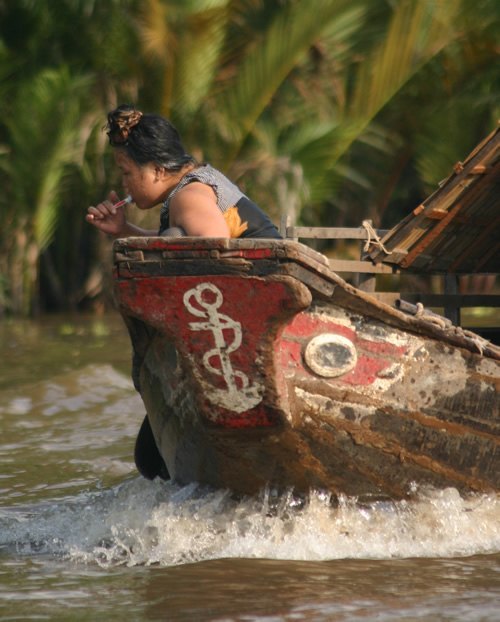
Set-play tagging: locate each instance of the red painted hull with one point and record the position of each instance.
(258, 365)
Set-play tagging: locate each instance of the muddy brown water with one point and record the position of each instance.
(83, 537)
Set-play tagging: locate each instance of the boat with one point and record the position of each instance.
(259, 366)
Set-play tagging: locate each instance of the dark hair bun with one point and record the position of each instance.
(120, 122)
(146, 138)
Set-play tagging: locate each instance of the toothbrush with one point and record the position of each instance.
(123, 202)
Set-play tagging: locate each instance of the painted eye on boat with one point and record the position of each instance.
(330, 355)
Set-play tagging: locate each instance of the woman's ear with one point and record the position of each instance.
(159, 172)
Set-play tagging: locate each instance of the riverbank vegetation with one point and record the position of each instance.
(331, 110)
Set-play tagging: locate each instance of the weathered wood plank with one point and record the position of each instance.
(454, 300)
(352, 265)
(440, 300)
(331, 233)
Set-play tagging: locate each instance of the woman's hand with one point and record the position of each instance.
(106, 217)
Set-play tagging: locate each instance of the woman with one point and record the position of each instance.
(198, 200)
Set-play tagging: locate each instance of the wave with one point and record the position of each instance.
(145, 523)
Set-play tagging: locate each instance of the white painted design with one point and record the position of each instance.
(330, 355)
(204, 301)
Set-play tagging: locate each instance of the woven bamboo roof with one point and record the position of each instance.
(456, 229)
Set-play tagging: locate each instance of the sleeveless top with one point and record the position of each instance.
(243, 217)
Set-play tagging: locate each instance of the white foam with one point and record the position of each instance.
(143, 523)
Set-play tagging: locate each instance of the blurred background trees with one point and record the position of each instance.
(331, 110)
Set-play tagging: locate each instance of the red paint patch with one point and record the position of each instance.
(373, 356)
(224, 328)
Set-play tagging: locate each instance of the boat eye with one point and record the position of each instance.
(330, 355)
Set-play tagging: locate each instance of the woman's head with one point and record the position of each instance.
(146, 138)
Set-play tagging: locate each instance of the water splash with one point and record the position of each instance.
(54, 447)
(145, 523)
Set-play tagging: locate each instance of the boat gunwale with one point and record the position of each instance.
(143, 253)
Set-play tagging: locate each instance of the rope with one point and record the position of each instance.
(443, 323)
(433, 318)
(480, 342)
(372, 238)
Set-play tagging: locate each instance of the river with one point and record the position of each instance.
(84, 537)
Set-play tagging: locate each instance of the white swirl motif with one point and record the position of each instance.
(204, 301)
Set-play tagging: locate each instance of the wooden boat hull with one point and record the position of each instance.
(259, 366)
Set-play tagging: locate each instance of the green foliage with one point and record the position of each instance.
(45, 136)
(265, 67)
(335, 110)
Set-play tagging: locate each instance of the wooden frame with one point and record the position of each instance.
(365, 271)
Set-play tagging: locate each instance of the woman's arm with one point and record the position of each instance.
(194, 209)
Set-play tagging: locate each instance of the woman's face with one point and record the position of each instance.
(143, 183)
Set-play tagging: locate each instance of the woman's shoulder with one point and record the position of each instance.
(205, 173)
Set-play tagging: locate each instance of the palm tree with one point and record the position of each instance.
(414, 36)
(51, 79)
(252, 99)
(329, 104)
(45, 136)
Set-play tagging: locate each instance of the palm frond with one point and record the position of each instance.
(156, 35)
(435, 157)
(46, 136)
(418, 31)
(198, 57)
(185, 39)
(267, 65)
